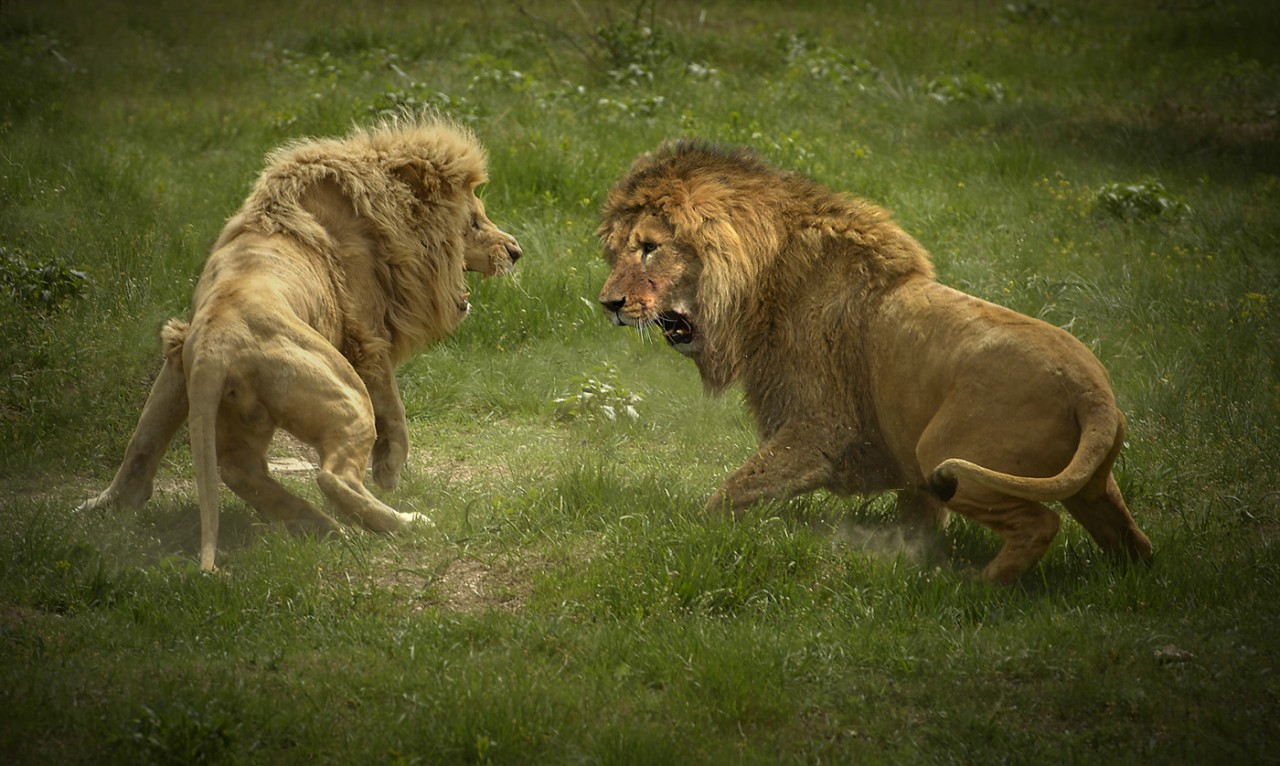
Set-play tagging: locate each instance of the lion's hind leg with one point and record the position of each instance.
(1108, 521)
(162, 416)
(1026, 527)
(242, 461)
(344, 452)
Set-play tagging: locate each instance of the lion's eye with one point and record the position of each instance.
(646, 248)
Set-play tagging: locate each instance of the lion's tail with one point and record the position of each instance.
(206, 381)
(1101, 433)
(172, 337)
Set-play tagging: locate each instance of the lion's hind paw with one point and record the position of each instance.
(415, 519)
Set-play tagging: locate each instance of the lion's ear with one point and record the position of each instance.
(422, 178)
(433, 182)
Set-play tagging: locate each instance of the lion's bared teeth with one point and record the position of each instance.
(676, 328)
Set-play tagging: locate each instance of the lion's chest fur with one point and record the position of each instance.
(807, 380)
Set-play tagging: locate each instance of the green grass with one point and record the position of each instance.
(1110, 168)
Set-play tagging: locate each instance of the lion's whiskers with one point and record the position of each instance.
(513, 278)
(646, 332)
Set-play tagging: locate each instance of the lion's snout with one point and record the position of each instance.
(613, 307)
(513, 249)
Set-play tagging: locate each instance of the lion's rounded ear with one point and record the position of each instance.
(431, 181)
(421, 177)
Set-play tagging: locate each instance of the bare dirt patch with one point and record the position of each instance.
(470, 585)
(463, 584)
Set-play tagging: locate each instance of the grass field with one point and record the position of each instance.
(1113, 168)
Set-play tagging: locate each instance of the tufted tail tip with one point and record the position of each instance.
(943, 485)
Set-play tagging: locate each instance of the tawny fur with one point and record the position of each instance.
(863, 374)
(347, 256)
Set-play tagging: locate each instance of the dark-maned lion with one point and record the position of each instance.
(862, 373)
(347, 256)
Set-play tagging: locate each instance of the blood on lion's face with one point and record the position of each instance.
(653, 281)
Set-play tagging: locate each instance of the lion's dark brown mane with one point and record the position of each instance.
(762, 234)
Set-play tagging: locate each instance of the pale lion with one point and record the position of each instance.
(863, 374)
(348, 255)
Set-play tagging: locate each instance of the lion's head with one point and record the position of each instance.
(401, 197)
(654, 281)
(486, 248)
(709, 243)
(687, 233)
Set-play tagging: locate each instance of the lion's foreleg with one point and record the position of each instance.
(162, 416)
(777, 471)
(391, 447)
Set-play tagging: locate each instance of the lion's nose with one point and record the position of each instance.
(613, 304)
(513, 251)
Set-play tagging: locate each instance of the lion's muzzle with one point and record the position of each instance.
(677, 329)
(613, 308)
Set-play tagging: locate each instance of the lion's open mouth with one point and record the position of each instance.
(676, 328)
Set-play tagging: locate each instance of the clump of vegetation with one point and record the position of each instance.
(164, 734)
(634, 46)
(418, 97)
(46, 287)
(1145, 199)
(808, 59)
(599, 395)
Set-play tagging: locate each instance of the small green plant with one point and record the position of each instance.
(970, 86)
(417, 97)
(1033, 11)
(630, 52)
(634, 45)
(48, 286)
(599, 395)
(637, 106)
(1145, 199)
(810, 60)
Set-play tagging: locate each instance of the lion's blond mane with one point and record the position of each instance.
(409, 178)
